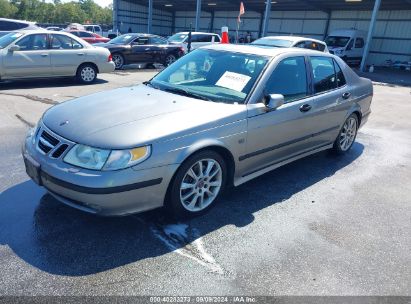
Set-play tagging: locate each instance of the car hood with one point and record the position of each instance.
(137, 115)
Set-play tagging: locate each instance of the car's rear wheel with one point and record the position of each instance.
(118, 60)
(86, 73)
(170, 59)
(347, 135)
(197, 184)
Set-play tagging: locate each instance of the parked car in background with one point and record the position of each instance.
(292, 41)
(8, 25)
(54, 28)
(198, 39)
(220, 116)
(43, 53)
(348, 44)
(142, 48)
(89, 37)
(94, 28)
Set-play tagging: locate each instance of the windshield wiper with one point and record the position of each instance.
(186, 93)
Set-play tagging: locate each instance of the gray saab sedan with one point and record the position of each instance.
(219, 116)
(43, 53)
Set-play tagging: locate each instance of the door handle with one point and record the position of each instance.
(80, 54)
(147, 49)
(305, 108)
(346, 95)
(44, 55)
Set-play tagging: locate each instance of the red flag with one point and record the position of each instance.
(242, 11)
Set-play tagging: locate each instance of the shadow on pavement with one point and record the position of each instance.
(61, 240)
(43, 83)
(389, 77)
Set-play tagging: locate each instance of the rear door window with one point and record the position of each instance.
(289, 79)
(141, 41)
(340, 75)
(324, 74)
(157, 40)
(195, 38)
(62, 42)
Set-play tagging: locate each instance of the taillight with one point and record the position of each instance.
(110, 58)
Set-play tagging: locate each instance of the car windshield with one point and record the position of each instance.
(177, 38)
(273, 42)
(218, 76)
(336, 41)
(9, 38)
(123, 39)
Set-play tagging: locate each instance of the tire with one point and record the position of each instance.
(192, 193)
(347, 135)
(86, 73)
(170, 59)
(118, 60)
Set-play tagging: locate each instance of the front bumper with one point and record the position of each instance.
(109, 193)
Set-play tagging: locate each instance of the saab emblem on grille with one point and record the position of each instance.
(64, 123)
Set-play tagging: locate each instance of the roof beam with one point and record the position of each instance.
(309, 4)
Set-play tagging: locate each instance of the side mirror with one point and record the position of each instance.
(14, 48)
(274, 101)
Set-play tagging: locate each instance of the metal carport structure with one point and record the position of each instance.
(196, 11)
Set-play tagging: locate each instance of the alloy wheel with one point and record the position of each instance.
(118, 61)
(201, 185)
(348, 134)
(170, 59)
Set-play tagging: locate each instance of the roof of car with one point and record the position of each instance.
(195, 33)
(42, 31)
(140, 35)
(15, 20)
(258, 50)
(293, 38)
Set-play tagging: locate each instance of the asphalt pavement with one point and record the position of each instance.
(324, 225)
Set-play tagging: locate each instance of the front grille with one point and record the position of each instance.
(49, 138)
(47, 142)
(46, 149)
(51, 144)
(59, 151)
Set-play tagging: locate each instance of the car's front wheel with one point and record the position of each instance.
(86, 73)
(197, 184)
(347, 135)
(118, 60)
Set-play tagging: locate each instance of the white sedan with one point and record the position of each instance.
(292, 41)
(43, 53)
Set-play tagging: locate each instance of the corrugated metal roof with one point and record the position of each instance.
(282, 5)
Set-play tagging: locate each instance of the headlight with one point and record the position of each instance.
(87, 157)
(120, 159)
(100, 159)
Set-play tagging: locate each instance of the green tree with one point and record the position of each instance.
(56, 12)
(7, 9)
